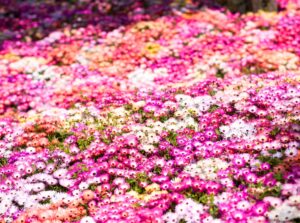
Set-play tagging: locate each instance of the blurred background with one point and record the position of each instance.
(34, 19)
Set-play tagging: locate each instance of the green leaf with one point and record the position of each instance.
(274, 192)
(84, 143)
(275, 131)
(47, 201)
(213, 108)
(172, 138)
(3, 161)
(57, 188)
(220, 73)
(278, 177)
(157, 170)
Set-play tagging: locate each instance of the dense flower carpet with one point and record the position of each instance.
(185, 118)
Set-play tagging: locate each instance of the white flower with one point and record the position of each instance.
(66, 183)
(83, 186)
(294, 200)
(239, 129)
(291, 152)
(87, 219)
(206, 168)
(284, 213)
(38, 187)
(243, 205)
(60, 173)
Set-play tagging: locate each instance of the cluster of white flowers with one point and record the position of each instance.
(196, 105)
(187, 210)
(149, 133)
(206, 168)
(238, 129)
(141, 77)
(232, 96)
(31, 192)
(286, 211)
(292, 149)
(87, 219)
(46, 73)
(29, 64)
(14, 200)
(145, 77)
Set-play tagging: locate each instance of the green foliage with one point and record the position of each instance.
(128, 107)
(278, 177)
(59, 135)
(75, 176)
(204, 198)
(275, 132)
(220, 73)
(273, 161)
(84, 143)
(106, 141)
(57, 188)
(214, 210)
(93, 187)
(273, 192)
(134, 185)
(163, 118)
(213, 108)
(172, 206)
(218, 132)
(47, 201)
(165, 154)
(272, 151)
(172, 138)
(212, 92)
(142, 177)
(199, 197)
(157, 170)
(3, 161)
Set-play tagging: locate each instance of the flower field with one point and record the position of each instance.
(185, 117)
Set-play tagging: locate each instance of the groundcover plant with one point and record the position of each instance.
(185, 117)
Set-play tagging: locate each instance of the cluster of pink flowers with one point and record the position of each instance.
(183, 118)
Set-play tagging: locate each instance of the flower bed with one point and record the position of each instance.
(177, 118)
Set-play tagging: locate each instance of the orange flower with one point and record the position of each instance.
(88, 195)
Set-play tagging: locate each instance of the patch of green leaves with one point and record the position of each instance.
(165, 154)
(273, 161)
(214, 210)
(142, 177)
(172, 138)
(128, 107)
(134, 185)
(84, 143)
(3, 161)
(212, 92)
(163, 118)
(213, 108)
(220, 73)
(57, 188)
(275, 132)
(278, 177)
(157, 170)
(93, 187)
(273, 192)
(59, 135)
(46, 201)
(204, 198)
